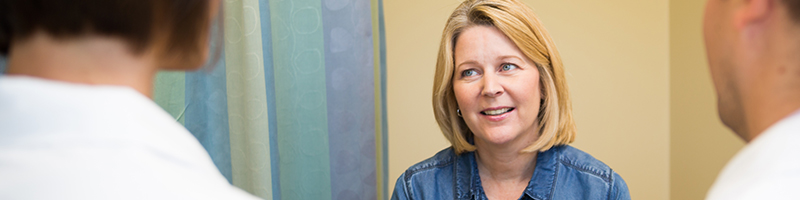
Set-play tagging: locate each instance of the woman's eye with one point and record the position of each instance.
(468, 72)
(507, 67)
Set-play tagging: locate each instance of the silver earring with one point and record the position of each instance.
(459, 112)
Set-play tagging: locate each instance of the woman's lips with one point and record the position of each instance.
(497, 110)
(497, 114)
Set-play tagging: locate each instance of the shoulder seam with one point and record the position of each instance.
(411, 172)
(600, 175)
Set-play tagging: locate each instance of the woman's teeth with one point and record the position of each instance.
(497, 112)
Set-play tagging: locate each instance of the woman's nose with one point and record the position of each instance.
(491, 86)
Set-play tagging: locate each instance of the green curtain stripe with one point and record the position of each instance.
(247, 98)
(170, 93)
(379, 145)
(384, 118)
(300, 90)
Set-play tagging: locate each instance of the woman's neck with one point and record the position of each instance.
(505, 170)
(505, 164)
(95, 60)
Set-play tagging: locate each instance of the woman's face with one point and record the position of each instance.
(496, 87)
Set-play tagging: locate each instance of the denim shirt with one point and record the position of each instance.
(562, 172)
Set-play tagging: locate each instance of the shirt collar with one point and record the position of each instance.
(544, 176)
(465, 168)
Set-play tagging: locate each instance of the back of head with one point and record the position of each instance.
(176, 25)
(518, 22)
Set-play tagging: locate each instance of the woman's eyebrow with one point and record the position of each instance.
(471, 62)
(506, 57)
(503, 57)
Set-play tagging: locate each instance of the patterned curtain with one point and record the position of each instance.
(296, 108)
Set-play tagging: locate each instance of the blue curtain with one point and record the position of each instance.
(296, 109)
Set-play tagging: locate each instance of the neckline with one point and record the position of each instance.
(538, 186)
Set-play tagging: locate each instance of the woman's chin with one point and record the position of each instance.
(506, 136)
(497, 138)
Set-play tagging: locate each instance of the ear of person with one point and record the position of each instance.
(753, 11)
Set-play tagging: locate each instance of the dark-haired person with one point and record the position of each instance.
(76, 120)
(753, 49)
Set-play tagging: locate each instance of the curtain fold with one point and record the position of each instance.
(296, 109)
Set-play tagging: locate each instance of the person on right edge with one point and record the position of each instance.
(753, 49)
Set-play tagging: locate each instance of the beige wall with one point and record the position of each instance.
(700, 145)
(412, 38)
(616, 54)
(618, 62)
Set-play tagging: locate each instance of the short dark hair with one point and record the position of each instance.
(793, 7)
(135, 21)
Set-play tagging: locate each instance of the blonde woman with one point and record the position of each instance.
(501, 99)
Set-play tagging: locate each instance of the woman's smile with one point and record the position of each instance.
(497, 114)
(497, 111)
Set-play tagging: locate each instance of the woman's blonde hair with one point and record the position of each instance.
(518, 22)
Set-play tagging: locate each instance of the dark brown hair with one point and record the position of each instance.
(138, 22)
(793, 6)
